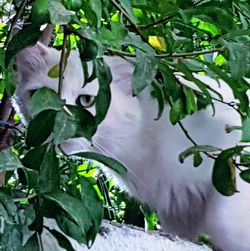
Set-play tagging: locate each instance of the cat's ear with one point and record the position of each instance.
(121, 73)
(31, 59)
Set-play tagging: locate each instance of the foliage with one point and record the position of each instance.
(165, 37)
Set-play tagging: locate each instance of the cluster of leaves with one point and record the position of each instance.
(165, 37)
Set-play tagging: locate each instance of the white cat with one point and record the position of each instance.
(183, 196)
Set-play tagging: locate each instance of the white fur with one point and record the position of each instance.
(183, 196)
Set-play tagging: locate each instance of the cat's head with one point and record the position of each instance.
(33, 65)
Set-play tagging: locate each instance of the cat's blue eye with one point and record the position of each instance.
(85, 100)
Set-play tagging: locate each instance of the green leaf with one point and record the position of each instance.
(107, 161)
(8, 209)
(49, 179)
(40, 127)
(45, 99)
(223, 175)
(245, 137)
(197, 159)
(103, 98)
(128, 8)
(77, 123)
(197, 149)
(9, 161)
(34, 158)
(245, 175)
(239, 59)
(96, 7)
(61, 239)
(40, 12)
(94, 205)
(73, 217)
(58, 13)
(144, 73)
(176, 112)
(157, 93)
(88, 50)
(190, 100)
(169, 79)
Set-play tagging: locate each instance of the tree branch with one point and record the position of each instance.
(171, 55)
(161, 21)
(124, 13)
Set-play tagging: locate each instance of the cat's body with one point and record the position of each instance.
(183, 196)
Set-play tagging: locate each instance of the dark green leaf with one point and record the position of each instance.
(27, 36)
(34, 158)
(45, 99)
(40, 12)
(9, 161)
(49, 179)
(144, 73)
(78, 122)
(223, 176)
(109, 162)
(62, 240)
(94, 205)
(197, 159)
(88, 50)
(103, 98)
(177, 112)
(40, 127)
(245, 175)
(190, 100)
(73, 218)
(157, 93)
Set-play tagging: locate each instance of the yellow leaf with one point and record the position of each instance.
(158, 43)
(54, 71)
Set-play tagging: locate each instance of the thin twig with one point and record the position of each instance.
(171, 55)
(25, 198)
(62, 63)
(161, 21)
(192, 141)
(15, 19)
(124, 13)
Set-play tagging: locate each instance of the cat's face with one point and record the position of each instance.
(33, 65)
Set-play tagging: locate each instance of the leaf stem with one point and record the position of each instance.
(62, 62)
